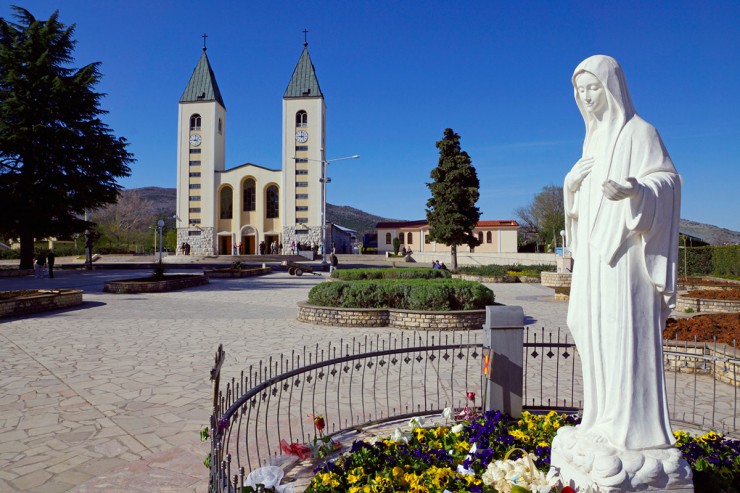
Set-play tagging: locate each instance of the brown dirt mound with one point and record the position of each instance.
(724, 326)
(705, 294)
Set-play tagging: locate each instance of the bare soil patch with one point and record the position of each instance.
(711, 294)
(724, 326)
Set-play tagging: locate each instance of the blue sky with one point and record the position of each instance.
(395, 74)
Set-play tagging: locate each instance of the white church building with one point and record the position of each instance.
(219, 208)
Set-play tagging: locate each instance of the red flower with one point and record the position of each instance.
(567, 489)
(471, 396)
(319, 422)
(298, 449)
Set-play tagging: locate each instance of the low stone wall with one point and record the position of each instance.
(560, 282)
(398, 319)
(129, 286)
(44, 301)
(697, 305)
(722, 357)
(497, 279)
(238, 273)
(16, 272)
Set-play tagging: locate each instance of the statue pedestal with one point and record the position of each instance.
(582, 463)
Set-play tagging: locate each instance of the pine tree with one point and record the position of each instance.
(57, 158)
(451, 212)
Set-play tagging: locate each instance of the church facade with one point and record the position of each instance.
(222, 211)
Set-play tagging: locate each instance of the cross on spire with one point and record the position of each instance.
(204, 41)
(305, 37)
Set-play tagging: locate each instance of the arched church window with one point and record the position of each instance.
(220, 125)
(400, 238)
(489, 239)
(227, 198)
(250, 195)
(273, 202)
(409, 238)
(195, 122)
(480, 236)
(387, 238)
(301, 119)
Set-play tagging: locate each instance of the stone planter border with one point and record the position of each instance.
(238, 273)
(497, 279)
(45, 300)
(390, 317)
(701, 305)
(128, 286)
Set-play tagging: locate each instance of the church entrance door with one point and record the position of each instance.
(224, 245)
(269, 239)
(248, 245)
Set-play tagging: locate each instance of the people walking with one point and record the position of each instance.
(50, 262)
(39, 265)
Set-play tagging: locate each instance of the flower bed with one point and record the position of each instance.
(14, 303)
(411, 294)
(155, 284)
(493, 453)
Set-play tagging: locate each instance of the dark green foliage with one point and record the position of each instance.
(726, 260)
(9, 254)
(396, 245)
(709, 260)
(414, 294)
(503, 270)
(451, 211)
(403, 273)
(53, 144)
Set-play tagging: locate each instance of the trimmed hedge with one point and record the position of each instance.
(495, 270)
(402, 273)
(709, 260)
(411, 294)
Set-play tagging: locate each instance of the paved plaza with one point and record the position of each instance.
(110, 396)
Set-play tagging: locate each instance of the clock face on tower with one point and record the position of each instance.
(301, 136)
(195, 140)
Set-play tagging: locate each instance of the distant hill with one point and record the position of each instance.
(713, 235)
(164, 200)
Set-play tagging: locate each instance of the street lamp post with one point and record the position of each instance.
(160, 224)
(324, 180)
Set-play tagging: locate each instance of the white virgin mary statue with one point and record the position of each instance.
(622, 203)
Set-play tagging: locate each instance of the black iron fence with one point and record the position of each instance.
(362, 382)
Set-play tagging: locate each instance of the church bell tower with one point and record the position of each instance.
(304, 147)
(201, 139)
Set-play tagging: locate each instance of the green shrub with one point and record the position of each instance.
(405, 294)
(396, 245)
(709, 260)
(9, 254)
(726, 260)
(494, 270)
(402, 273)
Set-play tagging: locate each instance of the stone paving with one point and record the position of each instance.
(109, 396)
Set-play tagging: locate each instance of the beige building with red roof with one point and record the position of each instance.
(494, 236)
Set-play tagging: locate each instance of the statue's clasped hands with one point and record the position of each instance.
(579, 173)
(620, 191)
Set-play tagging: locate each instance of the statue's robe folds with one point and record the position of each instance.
(623, 286)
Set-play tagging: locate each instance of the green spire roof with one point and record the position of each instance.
(202, 85)
(304, 83)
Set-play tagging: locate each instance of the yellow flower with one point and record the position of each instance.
(355, 475)
(462, 447)
(543, 444)
(398, 471)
